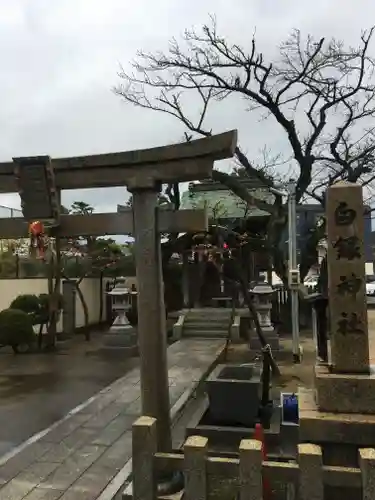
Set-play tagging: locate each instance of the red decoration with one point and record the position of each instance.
(37, 239)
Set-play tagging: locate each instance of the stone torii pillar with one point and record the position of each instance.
(145, 186)
(152, 335)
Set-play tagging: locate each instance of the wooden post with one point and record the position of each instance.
(251, 484)
(311, 472)
(367, 465)
(195, 451)
(144, 447)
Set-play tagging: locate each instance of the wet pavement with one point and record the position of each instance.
(37, 390)
(87, 455)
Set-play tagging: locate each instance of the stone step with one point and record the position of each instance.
(207, 328)
(207, 324)
(211, 312)
(204, 333)
(207, 317)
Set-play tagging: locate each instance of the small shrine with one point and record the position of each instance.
(233, 225)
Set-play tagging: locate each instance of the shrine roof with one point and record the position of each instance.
(222, 203)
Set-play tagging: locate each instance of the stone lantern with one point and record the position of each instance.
(121, 334)
(262, 299)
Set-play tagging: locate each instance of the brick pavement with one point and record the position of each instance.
(78, 457)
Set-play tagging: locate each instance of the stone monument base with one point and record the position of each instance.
(344, 392)
(270, 335)
(121, 338)
(122, 352)
(339, 434)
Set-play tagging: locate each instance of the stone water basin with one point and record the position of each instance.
(234, 394)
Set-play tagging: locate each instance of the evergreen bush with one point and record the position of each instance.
(27, 303)
(16, 328)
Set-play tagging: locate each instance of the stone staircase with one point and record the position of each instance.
(207, 323)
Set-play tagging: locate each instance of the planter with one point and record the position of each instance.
(234, 394)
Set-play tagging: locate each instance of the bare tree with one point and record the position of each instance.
(319, 92)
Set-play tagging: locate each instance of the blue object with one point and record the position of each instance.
(290, 409)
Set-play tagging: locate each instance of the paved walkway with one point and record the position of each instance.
(78, 457)
(37, 390)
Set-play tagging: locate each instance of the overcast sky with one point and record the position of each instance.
(59, 60)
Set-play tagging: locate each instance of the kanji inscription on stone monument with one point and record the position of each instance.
(350, 323)
(344, 216)
(346, 275)
(349, 285)
(347, 248)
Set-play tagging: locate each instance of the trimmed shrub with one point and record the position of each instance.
(16, 328)
(44, 306)
(27, 303)
(44, 301)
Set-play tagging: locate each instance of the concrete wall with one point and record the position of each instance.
(11, 288)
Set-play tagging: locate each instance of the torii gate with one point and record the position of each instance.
(142, 172)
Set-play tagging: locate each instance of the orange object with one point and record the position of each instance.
(259, 436)
(36, 228)
(37, 240)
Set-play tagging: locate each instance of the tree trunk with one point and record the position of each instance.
(40, 336)
(201, 274)
(233, 272)
(51, 325)
(101, 297)
(85, 310)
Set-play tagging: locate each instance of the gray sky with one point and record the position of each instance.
(59, 60)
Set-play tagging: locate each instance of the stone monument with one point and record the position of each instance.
(122, 335)
(350, 372)
(340, 413)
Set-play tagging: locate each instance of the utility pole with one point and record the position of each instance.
(293, 268)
